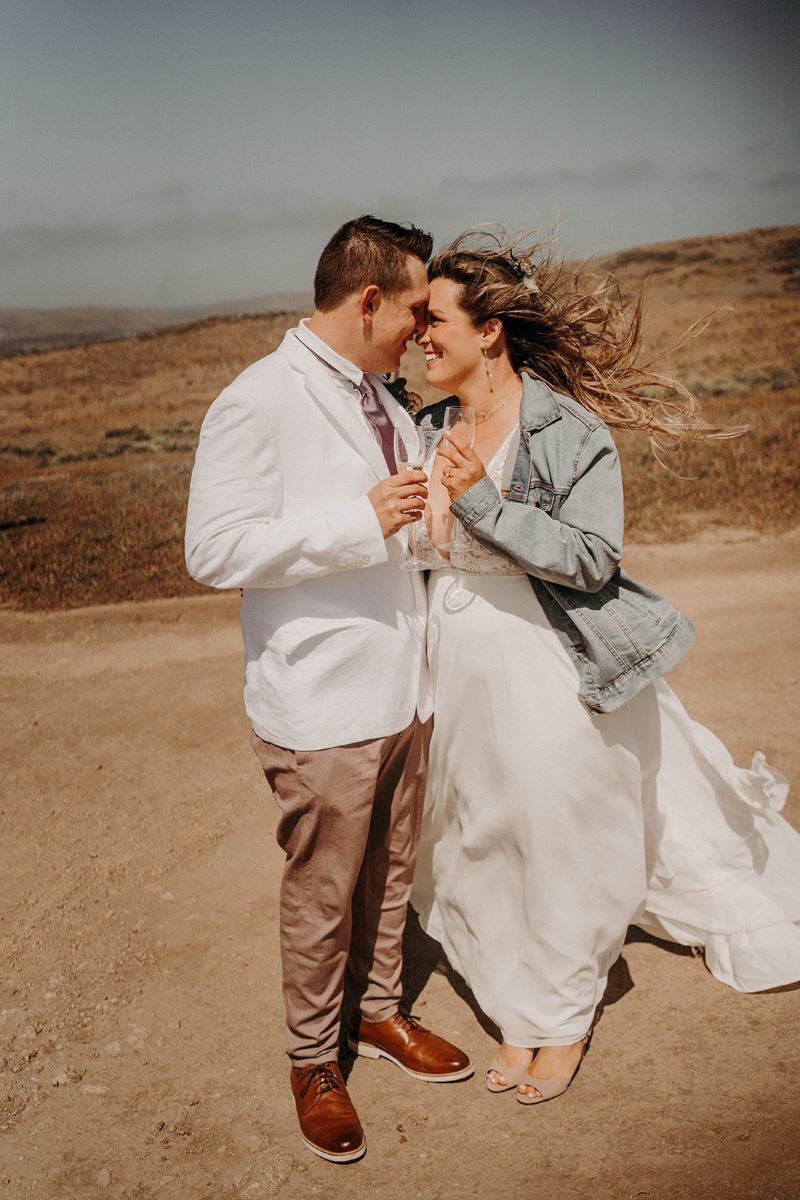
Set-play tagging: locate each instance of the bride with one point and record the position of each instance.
(569, 793)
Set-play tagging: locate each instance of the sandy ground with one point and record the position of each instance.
(141, 1014)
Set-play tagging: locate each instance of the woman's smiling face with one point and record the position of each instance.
(452, 344)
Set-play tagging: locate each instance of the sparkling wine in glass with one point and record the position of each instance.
(458, 429)
(410, 452)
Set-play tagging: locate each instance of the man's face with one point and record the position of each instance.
(398, 317)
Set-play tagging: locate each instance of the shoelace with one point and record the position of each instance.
(323, 1079)
(409, 1022)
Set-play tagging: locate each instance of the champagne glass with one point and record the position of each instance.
(410, 452)
(460, 422)
(458, 430)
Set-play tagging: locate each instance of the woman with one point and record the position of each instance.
(569, 794)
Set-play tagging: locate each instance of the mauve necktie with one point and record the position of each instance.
(378, 419)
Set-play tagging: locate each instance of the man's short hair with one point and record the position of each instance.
(367, 251)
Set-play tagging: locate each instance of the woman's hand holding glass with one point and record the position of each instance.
(461, 466)
(455, 454)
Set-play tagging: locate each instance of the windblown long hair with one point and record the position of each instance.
(584, 342)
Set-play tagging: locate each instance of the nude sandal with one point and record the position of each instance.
(512, 1075)
(548, 1089)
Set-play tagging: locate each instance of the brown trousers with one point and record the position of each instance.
(349, 824)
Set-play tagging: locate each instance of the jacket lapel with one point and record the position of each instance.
(340, 409)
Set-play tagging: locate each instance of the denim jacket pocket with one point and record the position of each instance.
(537, 494)
(542, 496)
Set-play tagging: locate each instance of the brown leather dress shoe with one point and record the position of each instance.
(417, 1051)
(328, 1122)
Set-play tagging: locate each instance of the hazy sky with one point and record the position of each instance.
(172, 151)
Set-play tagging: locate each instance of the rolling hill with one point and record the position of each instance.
(97, 440)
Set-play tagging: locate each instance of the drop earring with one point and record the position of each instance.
(488, 372)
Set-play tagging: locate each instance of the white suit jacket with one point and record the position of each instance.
(334, 630)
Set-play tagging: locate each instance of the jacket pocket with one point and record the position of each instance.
(542, 496)
(297, 639)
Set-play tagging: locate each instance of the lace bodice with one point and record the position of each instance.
(466, 552)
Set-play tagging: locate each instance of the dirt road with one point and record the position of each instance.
(141, 1015)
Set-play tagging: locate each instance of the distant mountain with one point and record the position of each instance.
(28, 329)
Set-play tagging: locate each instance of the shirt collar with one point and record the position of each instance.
(322, 350)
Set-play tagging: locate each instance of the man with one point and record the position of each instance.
(295, 499)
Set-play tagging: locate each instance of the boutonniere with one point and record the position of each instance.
(412, 402)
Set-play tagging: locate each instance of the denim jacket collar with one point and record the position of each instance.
(539, 406)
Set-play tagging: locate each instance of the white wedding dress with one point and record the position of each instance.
(548, 830)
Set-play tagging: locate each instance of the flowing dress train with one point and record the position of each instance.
(547, 830)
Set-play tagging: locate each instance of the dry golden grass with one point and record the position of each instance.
(96, 442)
(96, 448)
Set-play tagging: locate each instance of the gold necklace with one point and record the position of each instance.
(485, 416)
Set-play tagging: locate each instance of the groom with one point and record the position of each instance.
(295, 498)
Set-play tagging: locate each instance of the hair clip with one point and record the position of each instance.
(525, 272)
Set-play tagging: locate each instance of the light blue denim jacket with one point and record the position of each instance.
(562, 521)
